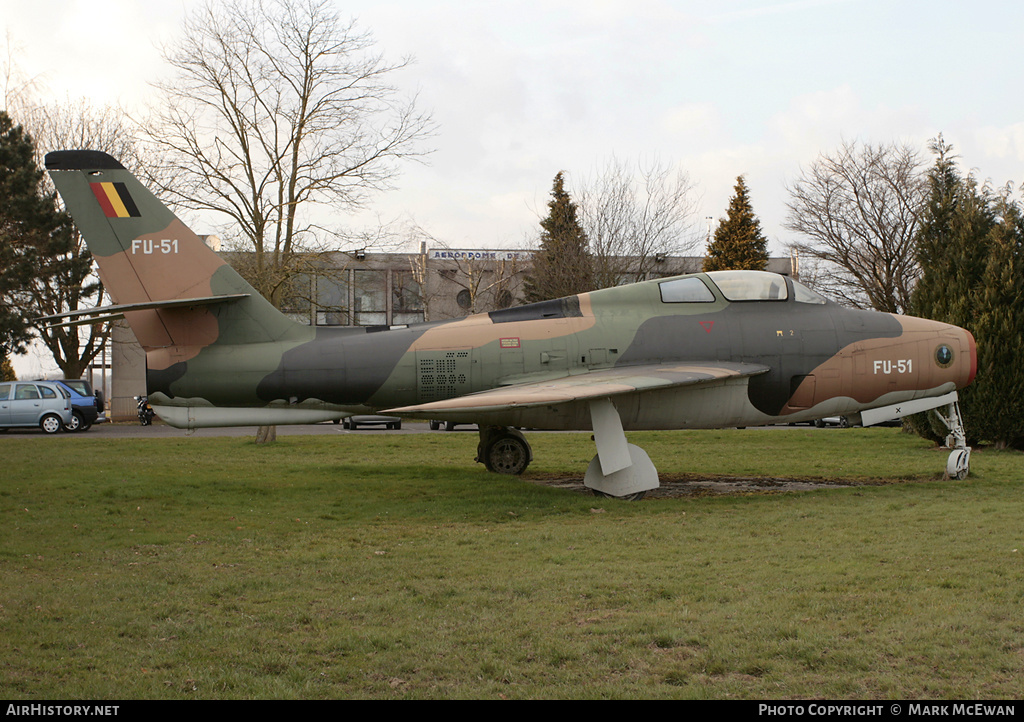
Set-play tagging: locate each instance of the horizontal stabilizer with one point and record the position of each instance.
(108, 313)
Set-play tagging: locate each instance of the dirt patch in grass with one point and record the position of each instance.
(677, 485)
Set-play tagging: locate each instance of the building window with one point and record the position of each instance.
(369, 300)
(332, 299)
(296, 302)
(406, 298)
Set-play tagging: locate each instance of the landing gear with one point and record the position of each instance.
(620, 469)
(631, 482)
(958, 465)
(503, 450)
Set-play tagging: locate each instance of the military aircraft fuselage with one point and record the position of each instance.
(821, 359)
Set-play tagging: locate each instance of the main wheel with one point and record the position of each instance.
(51, 424)
(435, 425)
(507, 455)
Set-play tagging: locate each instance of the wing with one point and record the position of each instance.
(581, 387)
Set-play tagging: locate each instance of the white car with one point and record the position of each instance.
(388, 422)
(34, 403)
(840, 421)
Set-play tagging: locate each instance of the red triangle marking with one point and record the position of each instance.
(706, 325)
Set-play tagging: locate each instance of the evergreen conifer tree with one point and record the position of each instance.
(7, 370)
(738, 242)
(998, 326)
(969, 247)
(33, 234)
(952, 241)
(562, 266)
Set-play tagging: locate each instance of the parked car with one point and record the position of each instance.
(35, 403)
(841, 421)
(845, 422)
(448, 425)
(388, 422)
(85, 388)
(84, 411)
(82, 397)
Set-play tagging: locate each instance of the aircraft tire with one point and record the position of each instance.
(958, 465)
(507, 454)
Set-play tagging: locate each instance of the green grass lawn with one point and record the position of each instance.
(394, 567)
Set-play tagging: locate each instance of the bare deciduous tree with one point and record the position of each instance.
(279, 111)
(72, 283)
(860, 209)
(634, 217)
(17, 90)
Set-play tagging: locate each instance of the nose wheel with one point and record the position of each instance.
(959, 462)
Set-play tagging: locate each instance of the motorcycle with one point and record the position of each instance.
(146, 412)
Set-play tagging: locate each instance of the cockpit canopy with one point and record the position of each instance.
(736, 286)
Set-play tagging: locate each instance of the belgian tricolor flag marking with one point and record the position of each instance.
(115, 200)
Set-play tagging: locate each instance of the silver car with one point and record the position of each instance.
(35, 403)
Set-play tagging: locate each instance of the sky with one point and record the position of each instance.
(522, 90)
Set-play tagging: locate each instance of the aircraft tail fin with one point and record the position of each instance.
(150, 261)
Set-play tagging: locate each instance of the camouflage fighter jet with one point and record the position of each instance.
(708, 350)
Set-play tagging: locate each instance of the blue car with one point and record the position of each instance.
(85, 409)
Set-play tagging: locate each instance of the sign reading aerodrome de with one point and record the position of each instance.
(476, 255)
